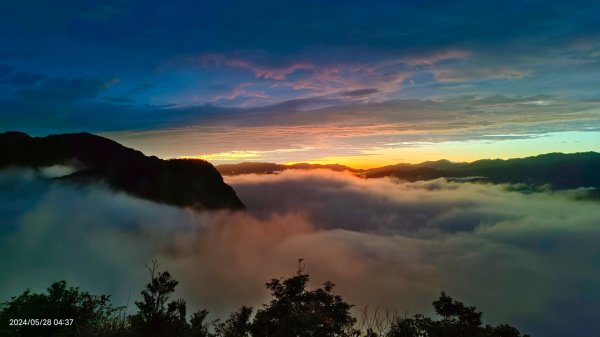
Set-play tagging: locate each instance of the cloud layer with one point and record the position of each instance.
(314, 129)
(526, 259)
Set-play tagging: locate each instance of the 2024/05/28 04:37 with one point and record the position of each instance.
(40, 322)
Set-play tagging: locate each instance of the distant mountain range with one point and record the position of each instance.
(268, 168)
(178, 182)
(197, 184)
(559, 170)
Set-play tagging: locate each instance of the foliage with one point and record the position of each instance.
(198, 325)
(293, 311)
(457, 320)
(238, 324)
(92, 315)
(157, 316)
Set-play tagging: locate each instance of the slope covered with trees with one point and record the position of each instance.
(178, 182)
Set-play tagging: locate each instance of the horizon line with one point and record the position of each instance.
(323, 163)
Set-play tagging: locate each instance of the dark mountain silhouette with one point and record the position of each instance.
(250, 168)
(559, 170)
(442, 164)
(405, 172)
(178, 182)
(269, 168)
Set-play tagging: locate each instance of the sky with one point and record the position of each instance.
(363, 84)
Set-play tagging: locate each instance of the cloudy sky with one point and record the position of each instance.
(353, 82)
(336, 81)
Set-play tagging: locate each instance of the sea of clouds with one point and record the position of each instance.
(528, 259)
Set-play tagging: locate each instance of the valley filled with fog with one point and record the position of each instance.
(528, 259)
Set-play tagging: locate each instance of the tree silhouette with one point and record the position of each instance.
(458, 320)
(418, 326)
(295, 311)
(157, 316)
(90, 314)
(238, 324)
(198, 325)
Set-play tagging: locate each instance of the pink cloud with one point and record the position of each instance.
(386, 77)
(241, 91)
(325, 80)
(432, 59)
(260, 71)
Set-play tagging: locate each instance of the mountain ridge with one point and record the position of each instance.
(178, 182)
(560, 170)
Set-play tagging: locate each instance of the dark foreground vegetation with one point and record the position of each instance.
(293, 311)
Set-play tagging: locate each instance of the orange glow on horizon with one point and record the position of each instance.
(456, 151)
